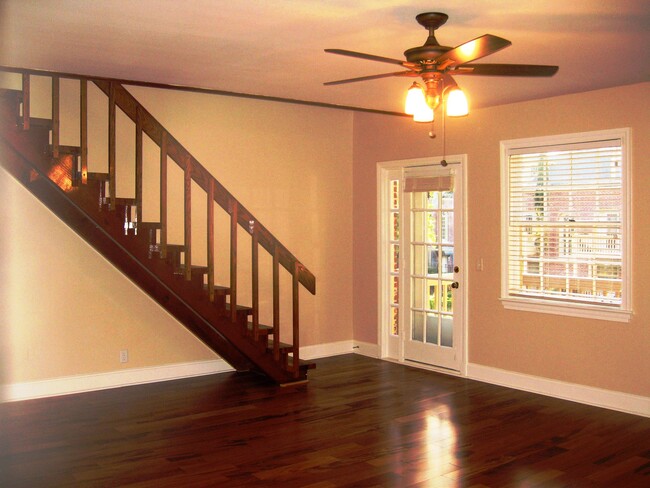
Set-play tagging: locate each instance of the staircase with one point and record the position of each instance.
(86, 201)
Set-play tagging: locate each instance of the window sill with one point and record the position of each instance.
(567, 309)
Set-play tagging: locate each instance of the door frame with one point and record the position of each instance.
(386, 348)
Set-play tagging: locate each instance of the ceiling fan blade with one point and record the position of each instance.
(472, 50)
(371, 57)
(506, 70)
(371, 77)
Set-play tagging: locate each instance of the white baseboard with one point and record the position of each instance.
(136, 376)
(113, 379)
(366, 349)
(613, 400)
(326, 350)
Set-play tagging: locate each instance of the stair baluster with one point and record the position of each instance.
(25, 101)
(55, 116)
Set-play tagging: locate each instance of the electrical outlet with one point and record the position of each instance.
(124, 356)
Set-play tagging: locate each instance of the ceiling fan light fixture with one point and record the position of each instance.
(457, 105)
(414, 99)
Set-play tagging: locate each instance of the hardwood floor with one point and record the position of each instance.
(359, 422)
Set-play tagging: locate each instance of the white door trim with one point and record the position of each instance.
(383, 169)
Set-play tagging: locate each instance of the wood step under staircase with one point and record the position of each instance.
(58, 175)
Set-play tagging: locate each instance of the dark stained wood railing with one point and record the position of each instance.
(193, 171)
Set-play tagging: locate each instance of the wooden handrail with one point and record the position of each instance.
(202, 177)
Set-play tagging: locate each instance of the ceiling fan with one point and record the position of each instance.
(435, 63)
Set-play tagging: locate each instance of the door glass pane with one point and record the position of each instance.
(448, 200)
(394, 194)
(419, 227)
(417, 332)
(446, 301)
(446, 331)
(418, 257)
(447, 227)
(432, 328)
(432, 295)
(432, 260)
(433, 199)
(394, 322)
(417, 293)
(394, 290)
(447, 262)
(394, 253)
(394, 226)
(432, 227)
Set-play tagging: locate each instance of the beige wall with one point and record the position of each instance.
(602, 354)
(309, 175)
(66, 311)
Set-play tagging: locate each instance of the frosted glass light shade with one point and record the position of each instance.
(424, 113)
(457, 105)
(414, 99)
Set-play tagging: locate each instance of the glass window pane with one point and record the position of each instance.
(394, 194)
(418, 259)
(394, 290)
(394, 323)
(432, 260)
(447, 262)
(447, 227)
(432, 328)
(417, 293)
(417, 329)
(395, 226)
(432, 227)
(432, 295)
(446, 330)
(418, 233)
(448, 199)
(446, 297)
(394, 252)
(433, 199)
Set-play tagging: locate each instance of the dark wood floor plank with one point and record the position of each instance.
(359, 422)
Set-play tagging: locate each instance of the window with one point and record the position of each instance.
(565, 224)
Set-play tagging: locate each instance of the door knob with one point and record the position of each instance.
(456, 269)
(454, 284)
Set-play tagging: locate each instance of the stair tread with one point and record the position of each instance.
(74, 150)
(195, 269)
(11, 92)
(240, 307)
(37, 121)
(219, 290)
(283, 345)
(150, 225)
(263, 329)
(97, 176)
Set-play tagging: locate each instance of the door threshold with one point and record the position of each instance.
(428, 367)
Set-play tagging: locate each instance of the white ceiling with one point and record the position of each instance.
(275, 47)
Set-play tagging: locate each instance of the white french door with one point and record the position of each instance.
(422, 263)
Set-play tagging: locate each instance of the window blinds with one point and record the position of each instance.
(564, 222)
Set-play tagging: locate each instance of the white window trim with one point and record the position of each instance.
(557, 307)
